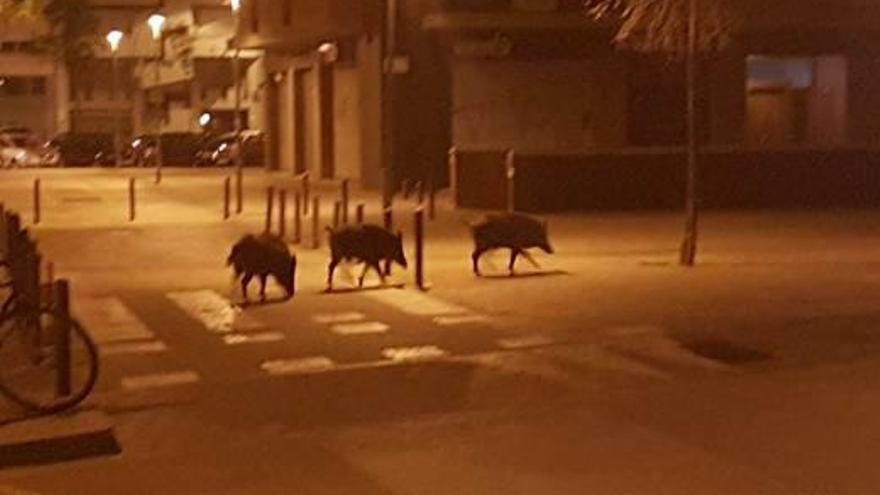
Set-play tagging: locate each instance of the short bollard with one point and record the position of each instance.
(226, 196)
(337, 207)
(420, 189)
(510, 174)
(282, 213)
(270, 202)
(405, 188)
(158, 173)
(420, 245)
(345, 199)
(387, 218)
(36, 201)
(297, 217)
(305, 192)
(359, 214)
(432, 202)
(316, 220)
(61, 299)
(239, 192)
(131, 200)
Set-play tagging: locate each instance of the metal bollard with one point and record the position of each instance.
(359, 214)
(420, 188)
(405, 188)
(36, 201)
(131, 200)
(345, 198)
(305, 192)
(510, 166)
(297, 217)
(159, 173)
(432, 202)
(270, 203)
(337, 206)
(282, 213)
(420, 247)
(61, 297)
(316, 220)
(387, 218)
(226, 197)
(239, 193)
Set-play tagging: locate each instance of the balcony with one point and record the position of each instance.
(302, 24)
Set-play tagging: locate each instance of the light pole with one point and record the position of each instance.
(156, 22)
(114, 38)
(389, 49)
(236, 11)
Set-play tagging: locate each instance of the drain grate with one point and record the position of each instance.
(726, 352)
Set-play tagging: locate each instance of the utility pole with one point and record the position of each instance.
(689, 244)
(389, 50)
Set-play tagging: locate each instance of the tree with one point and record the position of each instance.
(677, 29)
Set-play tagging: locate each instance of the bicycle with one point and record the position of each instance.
(30, 355)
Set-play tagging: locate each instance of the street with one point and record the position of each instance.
(608, 370)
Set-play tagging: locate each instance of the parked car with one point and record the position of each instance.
(178, 148)
(220, 151)
(19, 148)
(75, 149)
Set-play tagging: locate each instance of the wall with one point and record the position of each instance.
(346, 123)
(548, 105)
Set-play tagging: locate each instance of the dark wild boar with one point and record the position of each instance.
(369, 244)
(513, 231)
(261, 256)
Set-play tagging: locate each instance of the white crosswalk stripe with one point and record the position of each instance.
(133, 348)
(362, 328)
(215, 312)
(524, 342)
(415, 303)
(109, 320)
(156, 380)
(252, 338)
(297, 365)
(451, 320)
(331, 318)
(416, 353)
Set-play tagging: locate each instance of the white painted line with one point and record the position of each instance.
(524, 342)
(215, 312)
(109, 320)
(367, 327)
(417, 353)
(252, 338)
(460, 319)
(298, 365)
(133, 348)
(415, 303)
(159, 380)
(631, 330)
(331, 318)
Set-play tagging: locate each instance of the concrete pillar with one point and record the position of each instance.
(326, 98)
(370, 80)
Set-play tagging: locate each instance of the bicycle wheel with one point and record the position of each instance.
(29, 366)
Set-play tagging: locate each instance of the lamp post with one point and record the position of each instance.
(235, 5)
(156, 22)
(114, 38)
(389, 49)
(689, 244)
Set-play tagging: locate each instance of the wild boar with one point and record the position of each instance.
(369, 244)
(261, 256)
(513, 231)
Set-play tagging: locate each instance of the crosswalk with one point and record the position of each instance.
(423, 328)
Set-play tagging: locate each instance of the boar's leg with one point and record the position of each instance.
(263, 278)
(330, 269)
(475, 257)
(244, 284)
(387, 267)
(529, 257)
(514, 252)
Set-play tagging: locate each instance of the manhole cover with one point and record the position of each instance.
(81, 199)
(726, 352)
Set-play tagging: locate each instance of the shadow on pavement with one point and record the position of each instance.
(538, 274)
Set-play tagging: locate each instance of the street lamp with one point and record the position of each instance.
(156, 22)
(235, 5)
(114, 38)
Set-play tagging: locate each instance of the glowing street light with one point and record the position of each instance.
(156, 21)
(114, 38)
(235, 5)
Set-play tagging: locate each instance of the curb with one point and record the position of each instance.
(54, 439)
